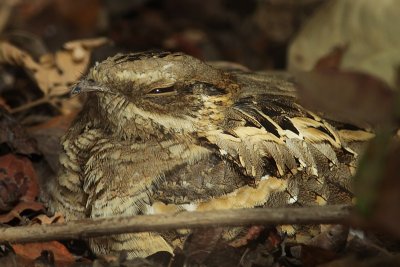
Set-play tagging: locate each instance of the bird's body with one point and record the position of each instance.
(164, 132)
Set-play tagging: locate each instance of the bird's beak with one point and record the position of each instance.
(86, 86)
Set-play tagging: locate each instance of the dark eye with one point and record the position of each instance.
(76, 90)
(162, 91)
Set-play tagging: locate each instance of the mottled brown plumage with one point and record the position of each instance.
(164, 132)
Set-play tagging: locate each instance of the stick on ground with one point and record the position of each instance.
(108, 226)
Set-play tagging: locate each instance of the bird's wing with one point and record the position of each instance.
(266, 132)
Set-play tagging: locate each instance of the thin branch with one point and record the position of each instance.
(184, 220)
(31, 104)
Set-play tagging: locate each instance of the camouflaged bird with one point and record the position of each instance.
(165, 132)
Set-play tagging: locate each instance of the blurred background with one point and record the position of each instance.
(250, 32)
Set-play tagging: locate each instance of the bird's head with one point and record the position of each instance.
(165, 92)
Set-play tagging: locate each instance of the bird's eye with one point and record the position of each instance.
(162, 91)
(76, 90)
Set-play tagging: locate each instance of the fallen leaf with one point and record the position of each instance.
(18, 187)
(53, 73)
(14, 136)
(251, 234)
(34, 250)
(44, 219)
(314, 256)
(333, 238)
(200, 243)
(346, 65)
(258, 256)
(48, 136)
(57, 72)
(46, 259)
(363, 247)
(349, 96)
(369, 38)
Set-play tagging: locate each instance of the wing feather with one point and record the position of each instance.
(269, 133)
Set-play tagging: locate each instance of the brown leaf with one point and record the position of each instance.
(314, 256)
(352, 97)
(369, 39)
(346, 65)
(44, 219)
(34, 250)
(53, 73)
(12, 55)
(57, 72)
(18, 187)
(333, 238)
(48, 136)
(201, 243)
(252, 233)
(14, 136)
(364, 247)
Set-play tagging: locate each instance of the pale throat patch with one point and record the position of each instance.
(184, 124)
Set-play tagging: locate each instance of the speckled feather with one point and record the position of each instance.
(165, 132)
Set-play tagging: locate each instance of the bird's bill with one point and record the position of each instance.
(85, 87)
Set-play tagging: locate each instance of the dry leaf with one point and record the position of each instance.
(48, 136)
(367, 30)
(44, 219)
(14, 136)
(314, 256)
(18, 187)
(34, 250)
(333, 239)
(57, 72)
(352, 97)
(251, 234)
(10, 54)
(200, 243)
(347, 65)
(53, 73)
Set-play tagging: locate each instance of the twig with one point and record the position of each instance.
(107, 226)
(31, 104)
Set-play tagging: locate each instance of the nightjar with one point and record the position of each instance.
(165, 132)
